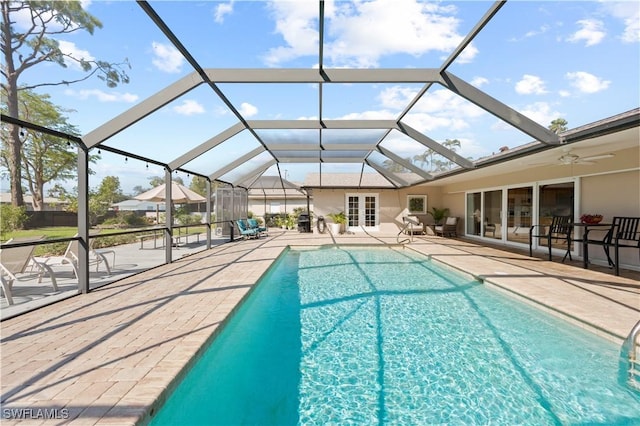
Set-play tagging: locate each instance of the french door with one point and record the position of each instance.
(362, 212)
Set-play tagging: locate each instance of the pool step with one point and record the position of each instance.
(634, 374)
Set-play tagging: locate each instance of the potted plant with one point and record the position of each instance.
(290, 221)
(339, 222)
(438, 214)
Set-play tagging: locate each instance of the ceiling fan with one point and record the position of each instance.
(570, 158)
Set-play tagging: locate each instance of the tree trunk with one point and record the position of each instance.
(14, 143)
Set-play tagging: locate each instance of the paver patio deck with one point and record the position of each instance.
(111, 356)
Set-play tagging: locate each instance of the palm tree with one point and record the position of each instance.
(558, 125)
(420, 158)
(452, 145)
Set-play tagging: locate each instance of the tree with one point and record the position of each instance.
(100, 200)
(109, 191)
(159, 180)
(558, 125)
(70, 198)
(45, 158)
(421, 158)
(428, 154)
(22, 50)
(199, 185)
(138, 189)
(452, 145)
(394, 167)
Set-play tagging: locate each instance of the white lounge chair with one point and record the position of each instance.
(70, 257)
(415, 226)
(14, 261)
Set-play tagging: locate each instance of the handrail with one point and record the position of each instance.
(630, 347)
(633, 336)
(404, 228)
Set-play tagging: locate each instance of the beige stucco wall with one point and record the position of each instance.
(257, 205)
(392, 203)
(610, 187)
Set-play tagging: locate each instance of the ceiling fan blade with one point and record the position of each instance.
(586, 163)
(597, 157)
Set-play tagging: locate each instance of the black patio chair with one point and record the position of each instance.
(559, 228)
(623, 233)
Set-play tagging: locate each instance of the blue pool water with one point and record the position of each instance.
(384, 336)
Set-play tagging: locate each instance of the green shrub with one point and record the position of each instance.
(126, 220)
(12, 218)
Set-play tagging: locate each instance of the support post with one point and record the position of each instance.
(168, 216)
(83, 219)
(208, 218)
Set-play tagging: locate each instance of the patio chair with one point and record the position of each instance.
(560, 228)
(448, 229)
(624, 233)
(245, 231)
(489, 227)
(414, 226)
(253, 224)
(71, 257)
(14, 261)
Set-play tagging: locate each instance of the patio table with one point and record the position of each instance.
(585, 239)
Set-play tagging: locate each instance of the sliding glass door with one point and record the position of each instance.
(474, 213)
(519, 214)
(492, 217)
(555, 200)
(507, 214)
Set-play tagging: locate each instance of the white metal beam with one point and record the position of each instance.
(141, 110)
(226, 169)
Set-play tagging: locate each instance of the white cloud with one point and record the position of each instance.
(591, 32)
(248, 110)
(445, 103)
(541, 113)
(479, 81)
(71, 49)
(221, 10)
(369, 115)
(166, 58)
(401, 27)
(629, 14)
(530, 84)
(587, 83)
(296, 22)
(543, 29)
(102, 96)
(467, 54)
(564, 93)
(189, 107)
(397, 97)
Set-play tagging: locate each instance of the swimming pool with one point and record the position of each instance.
(384, 336)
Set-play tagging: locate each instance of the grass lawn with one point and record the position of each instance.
(58, 249)
(55, 232)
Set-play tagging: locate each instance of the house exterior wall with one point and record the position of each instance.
(391, 204)
(610, 187)
(257, 204)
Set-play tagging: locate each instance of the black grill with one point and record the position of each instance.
(304, 223)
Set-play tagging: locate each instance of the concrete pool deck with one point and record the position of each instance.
(111, 356)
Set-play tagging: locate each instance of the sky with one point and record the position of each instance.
(570, 59)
